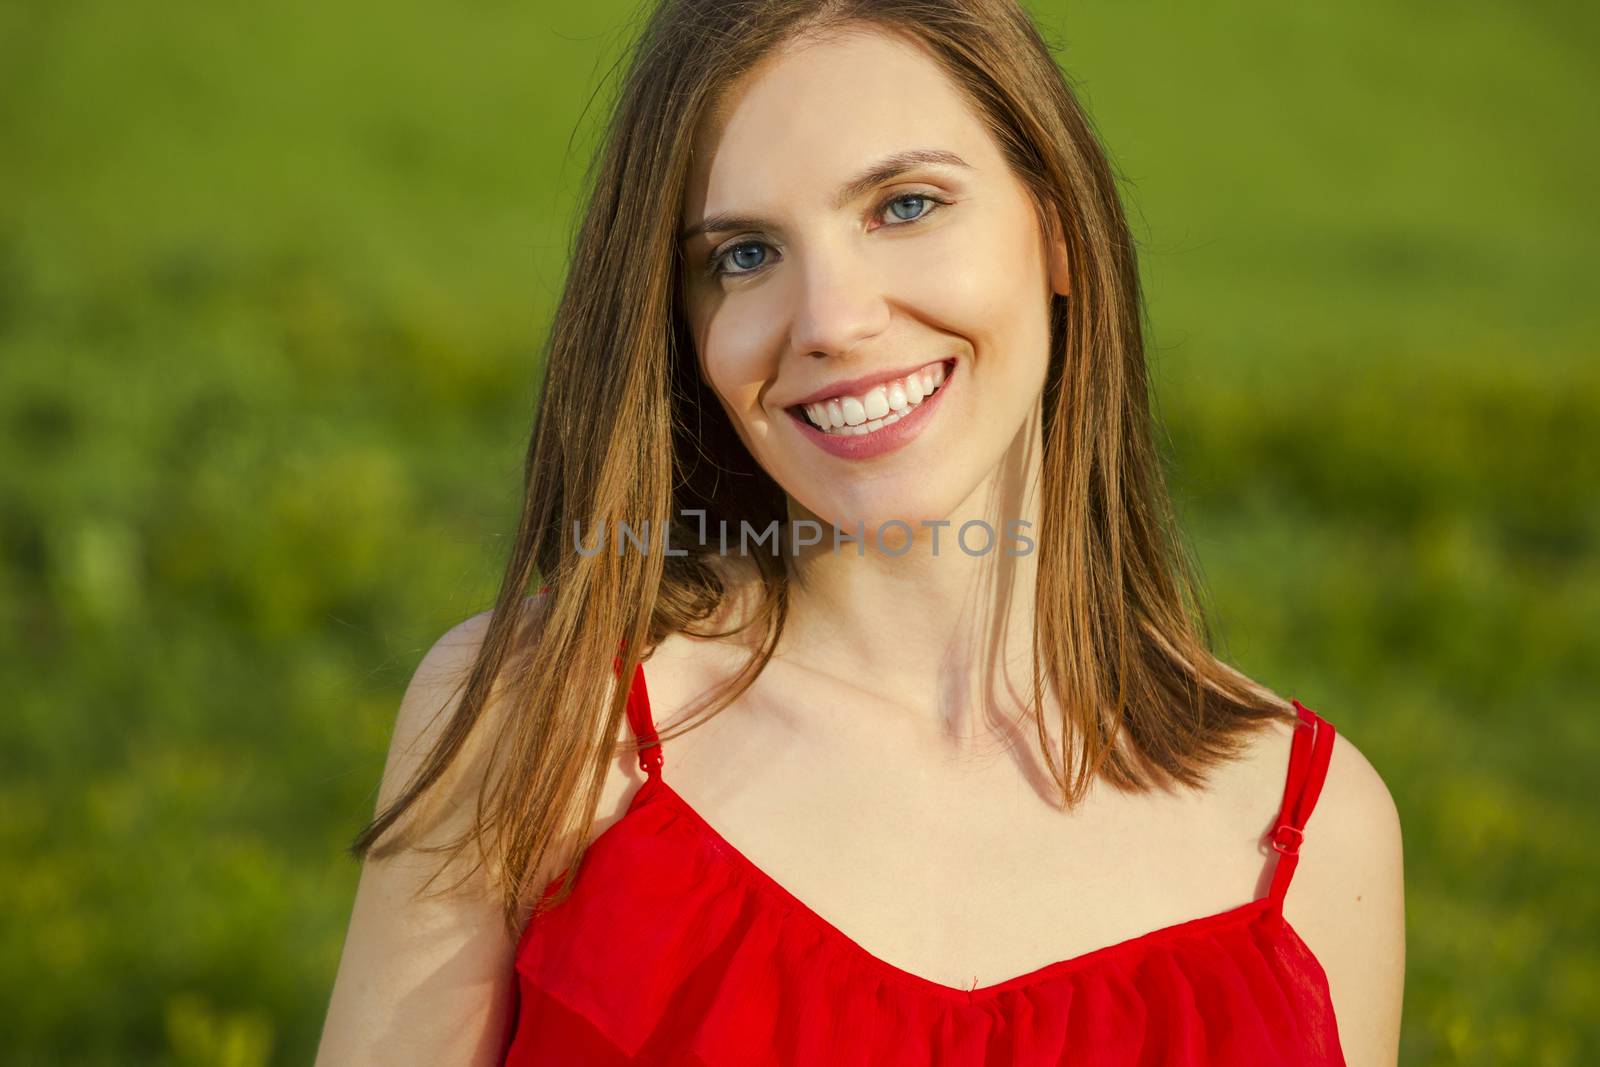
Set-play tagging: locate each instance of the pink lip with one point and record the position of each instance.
(857, 386)
(896, 435)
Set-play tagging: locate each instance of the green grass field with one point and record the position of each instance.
(272, 281)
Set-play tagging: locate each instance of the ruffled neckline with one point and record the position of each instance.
(674, 939)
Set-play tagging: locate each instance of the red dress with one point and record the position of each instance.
(676, 950)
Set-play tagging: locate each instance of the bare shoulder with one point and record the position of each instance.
(446, 948)
(1347, 902)
(431, 699)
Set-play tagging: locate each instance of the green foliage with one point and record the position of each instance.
(272, 284)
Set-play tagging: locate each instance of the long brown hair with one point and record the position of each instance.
(627, 431)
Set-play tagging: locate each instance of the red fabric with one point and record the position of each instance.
(676, 950)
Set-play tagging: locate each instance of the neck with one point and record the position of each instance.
(941, 626)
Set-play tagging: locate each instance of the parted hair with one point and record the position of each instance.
(627, 431)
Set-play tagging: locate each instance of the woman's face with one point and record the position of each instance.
(878, 264)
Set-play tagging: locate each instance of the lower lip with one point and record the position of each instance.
(896, 435)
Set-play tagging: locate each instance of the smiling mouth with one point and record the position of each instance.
(857, 414)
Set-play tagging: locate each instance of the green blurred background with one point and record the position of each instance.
(272, 283)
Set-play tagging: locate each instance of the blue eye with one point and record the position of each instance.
(714, 264)
(902, 199)
(735, 251)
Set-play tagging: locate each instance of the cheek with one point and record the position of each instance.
(981, 279)
(735, 362)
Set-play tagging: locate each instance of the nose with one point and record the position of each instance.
(838, 304)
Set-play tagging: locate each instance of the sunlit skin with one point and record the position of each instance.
(945, 260)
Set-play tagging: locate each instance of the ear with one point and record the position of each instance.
(1058, 263)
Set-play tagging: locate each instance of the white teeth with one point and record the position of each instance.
(879, 406)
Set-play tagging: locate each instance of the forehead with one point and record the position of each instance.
(815, 111)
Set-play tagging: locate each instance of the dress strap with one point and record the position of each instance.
(641, 722)
(1308, 769)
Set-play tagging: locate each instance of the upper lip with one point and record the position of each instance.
(857, 386)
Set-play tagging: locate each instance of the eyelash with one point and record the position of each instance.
(714, 270)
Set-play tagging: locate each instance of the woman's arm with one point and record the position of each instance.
(425, 982)
(1348, 902)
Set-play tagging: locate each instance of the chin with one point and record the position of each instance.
(912, 508)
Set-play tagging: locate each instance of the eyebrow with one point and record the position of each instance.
(890, 166)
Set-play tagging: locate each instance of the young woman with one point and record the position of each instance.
(970, 789)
